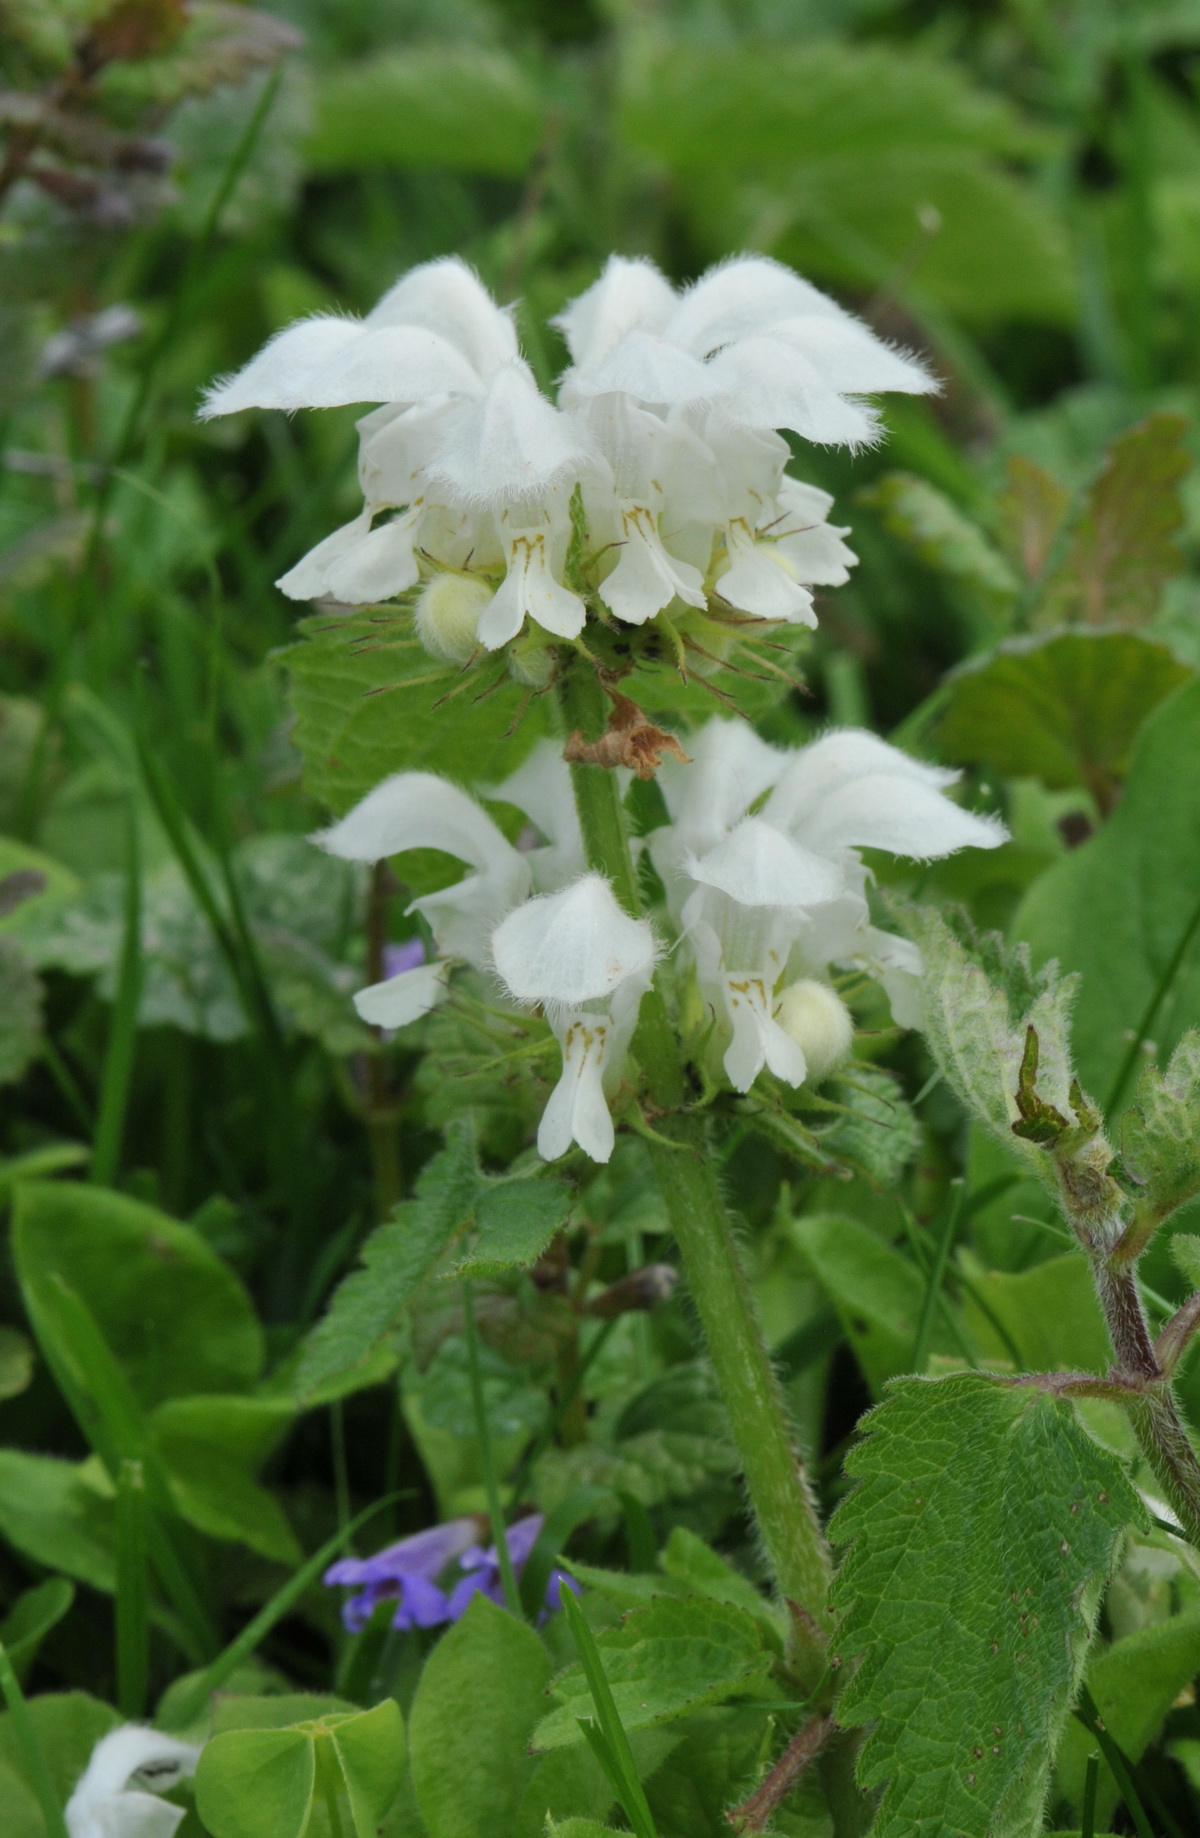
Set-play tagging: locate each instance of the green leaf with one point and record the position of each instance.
(719, 1763)
(878, 1294)
(466, 108)
(176, 1318)
(878, 1134)
(565, 1782)
(1160, 1137)
(480, 1695)
(1050, 1313)
(68, 1725)
(370, 701)
(1122, 550)
(253, 1781)
(970, 1620)
(689, 1560)
(370, 1751)
(397, 1260)
(20, 1012)
(58, 887)
(1066, 709)
(665, 1660)
(31, 1618)
(1134, 1683)
(50, 1513)
(16, 1362)
(1119, 908)
(943, 536)
(975, 1016)
(516, 1220)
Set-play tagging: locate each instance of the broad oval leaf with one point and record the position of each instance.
(249, 1782)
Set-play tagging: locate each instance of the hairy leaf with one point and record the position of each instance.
(942, 535)
(1119, 908)
(665, 1660)
(878, 1135)
(1066, 709)
(516, 1220)
(397, 1259)
(970, 1614)
(1122, 550)
(480, 1695)
(1160, 1137)
(370, 701)
(975, 1021)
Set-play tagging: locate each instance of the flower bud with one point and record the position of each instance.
(817, 1019)
(447, 615)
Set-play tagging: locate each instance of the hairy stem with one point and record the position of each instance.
(1161, 1435)
(770, 1460)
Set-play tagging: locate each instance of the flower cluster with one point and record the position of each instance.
(765, 899)
(664, 447)
(412, 1573)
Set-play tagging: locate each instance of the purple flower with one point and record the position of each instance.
(406, 1573)
(407, 956)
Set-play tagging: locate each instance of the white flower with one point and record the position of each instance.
(417, 810)
(589, 964)
(782, 891)
(750, 337)
(534, 540)
(463, 424)
(117, 1794)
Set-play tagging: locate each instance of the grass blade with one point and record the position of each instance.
(1161, 991)
(612, 1748)
(122, 1033)
(31, 1749)
(1087, 1819)
(937, 1274)
(508, 1576)
(1120, 1769)
(133, 1606)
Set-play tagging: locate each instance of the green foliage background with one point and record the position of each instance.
(1013, 189)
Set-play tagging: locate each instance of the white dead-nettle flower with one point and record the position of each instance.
(117, 1795)
(416, 810)
(667, 421)
(588, 964)
(777, 895)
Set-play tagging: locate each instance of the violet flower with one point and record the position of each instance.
(407, 1573)
(482, 1568)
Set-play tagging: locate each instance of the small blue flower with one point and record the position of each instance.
(405, 1572)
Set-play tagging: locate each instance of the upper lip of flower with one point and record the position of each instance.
(571, 947)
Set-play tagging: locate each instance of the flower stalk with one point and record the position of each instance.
(775, 1479)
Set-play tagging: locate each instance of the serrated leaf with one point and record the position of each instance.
(1065, 709)
(688, 1560)
(397, 1259)
(942, 535)
(1122, 550)
(1160, 1137)
(878, 1133)
(656, 1466)
(976, 1022)
(1117, 910)
(664, 1661)
(1029, 514)
(970, 1614)
(516, 1220)
(370, 701)
(466, 108)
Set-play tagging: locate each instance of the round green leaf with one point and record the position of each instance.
(251, 1782)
